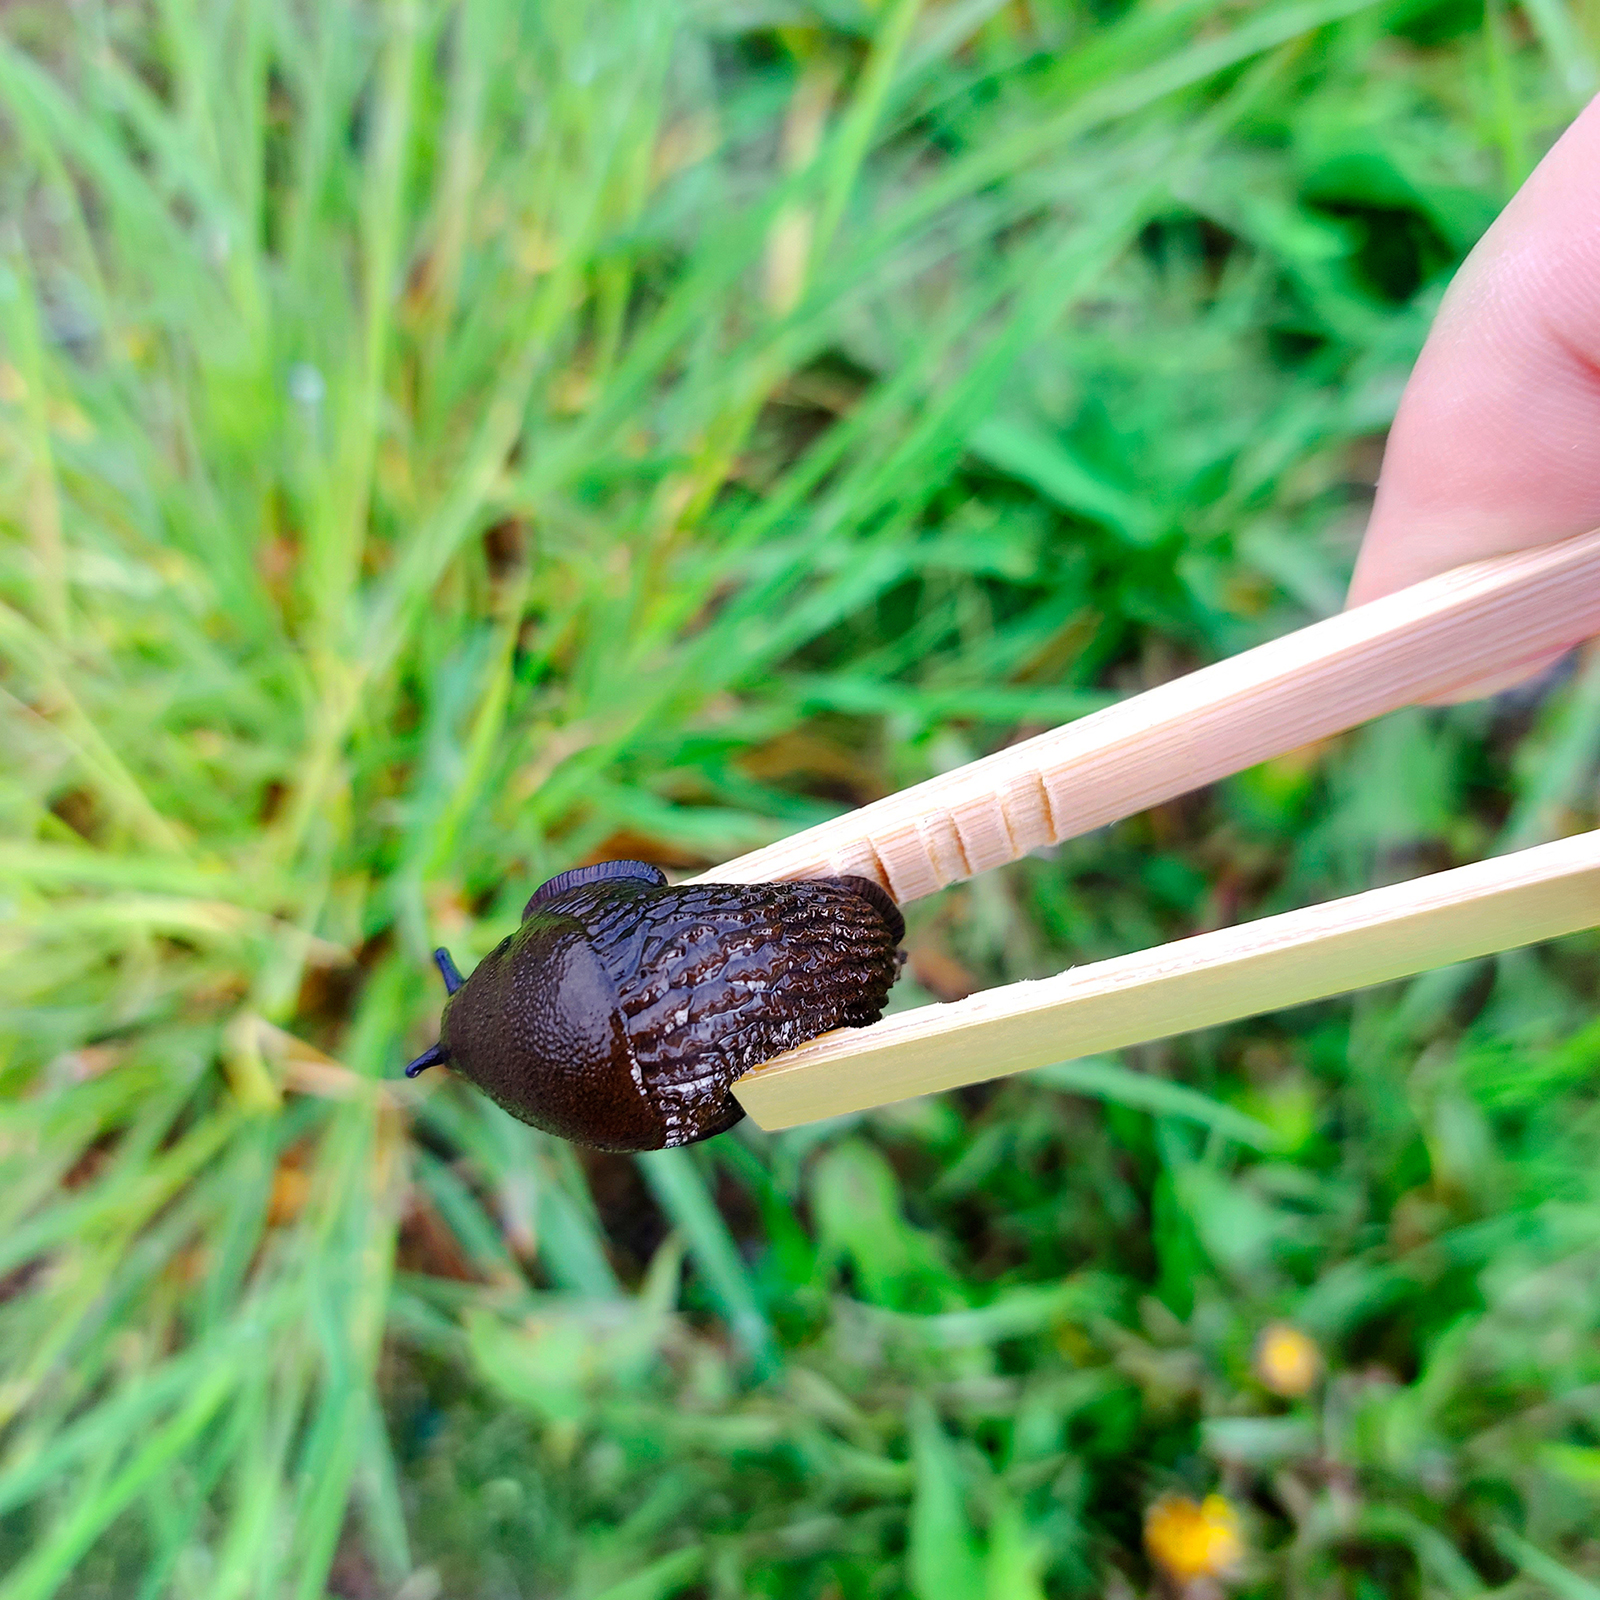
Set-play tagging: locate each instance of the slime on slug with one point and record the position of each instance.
(621, 1011)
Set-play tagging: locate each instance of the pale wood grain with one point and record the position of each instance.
(1279, 961)
(1308, 685)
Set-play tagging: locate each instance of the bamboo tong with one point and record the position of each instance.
(1424, 641)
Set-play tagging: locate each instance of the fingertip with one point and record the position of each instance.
(1496, 442)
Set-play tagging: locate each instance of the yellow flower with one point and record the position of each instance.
(1288, 1361)
(1191, 1539)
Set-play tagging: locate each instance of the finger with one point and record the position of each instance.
(1496, 444)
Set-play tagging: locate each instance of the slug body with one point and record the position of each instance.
(621, 1011)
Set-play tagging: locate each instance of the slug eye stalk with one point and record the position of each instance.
(447, 970)
(435, 1055)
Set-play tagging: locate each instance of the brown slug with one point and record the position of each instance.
(621, 1011)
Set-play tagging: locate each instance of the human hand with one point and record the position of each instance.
(1496, 443)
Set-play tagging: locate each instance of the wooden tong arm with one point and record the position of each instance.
(1424, 641)
(1260, 966)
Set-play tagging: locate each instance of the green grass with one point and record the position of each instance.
(443, 442)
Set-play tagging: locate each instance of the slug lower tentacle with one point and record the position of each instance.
(621, 1011)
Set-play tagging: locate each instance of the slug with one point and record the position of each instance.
(621, 1011)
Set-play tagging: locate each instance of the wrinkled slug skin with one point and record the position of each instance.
(621, 1011)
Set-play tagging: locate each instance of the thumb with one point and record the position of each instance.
(1496, 443)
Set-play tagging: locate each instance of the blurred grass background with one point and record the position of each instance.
(442, 441)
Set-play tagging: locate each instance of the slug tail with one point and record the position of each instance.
(600, 872)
